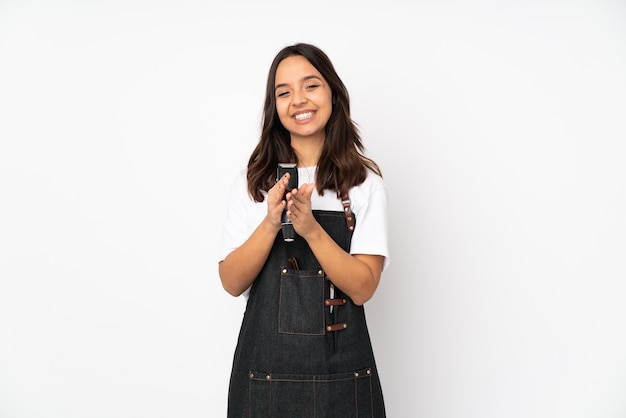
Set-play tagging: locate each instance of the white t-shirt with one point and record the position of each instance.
(368, 202)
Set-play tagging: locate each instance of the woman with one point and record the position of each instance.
(304, 348)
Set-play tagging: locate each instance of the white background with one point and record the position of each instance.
(500, 129)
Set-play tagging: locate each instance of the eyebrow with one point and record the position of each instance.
(308, 77)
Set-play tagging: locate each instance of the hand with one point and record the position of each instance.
(275, 202)
(299, 210)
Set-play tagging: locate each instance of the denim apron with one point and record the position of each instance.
(304, 348)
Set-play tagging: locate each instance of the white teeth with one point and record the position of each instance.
(303, 116)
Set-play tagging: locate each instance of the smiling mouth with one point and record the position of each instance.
(303, 116)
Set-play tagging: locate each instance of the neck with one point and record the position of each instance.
(308, 153)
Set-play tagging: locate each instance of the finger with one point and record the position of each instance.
(280, 185)
(291, 205)
(307, 190)
(283, 181)
(297, 197)
(304, 195)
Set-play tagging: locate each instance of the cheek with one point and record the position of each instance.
(282, 111)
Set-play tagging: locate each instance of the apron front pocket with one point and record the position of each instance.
(301, 302)
(343, 395)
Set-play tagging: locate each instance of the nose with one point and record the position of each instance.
(299, 97)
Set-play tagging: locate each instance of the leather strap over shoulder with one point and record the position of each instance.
(345, 201)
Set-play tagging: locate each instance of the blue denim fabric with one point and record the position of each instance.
(286, 364)
(301, 290)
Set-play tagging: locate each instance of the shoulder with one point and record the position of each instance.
(240, 182)
(374, 179)
(238, 189)
(373, 183)
(371, 193)
(241, 179)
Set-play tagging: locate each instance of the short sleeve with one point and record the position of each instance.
(369, 203)
(234, 229)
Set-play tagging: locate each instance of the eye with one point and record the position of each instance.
(312, 86)
(282, 94)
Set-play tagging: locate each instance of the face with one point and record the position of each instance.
(303, 98)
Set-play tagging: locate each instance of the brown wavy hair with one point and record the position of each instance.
(342, 163)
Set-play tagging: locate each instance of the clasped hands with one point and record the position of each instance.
(297, 202)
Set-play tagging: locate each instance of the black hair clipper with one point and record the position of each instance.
(292, 169)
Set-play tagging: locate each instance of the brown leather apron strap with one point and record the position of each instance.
(336, 327)
(334, 302)
(345, 201)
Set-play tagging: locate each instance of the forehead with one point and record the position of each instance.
(295, 68)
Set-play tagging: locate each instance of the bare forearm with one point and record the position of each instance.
(241, 267)
(356, 275)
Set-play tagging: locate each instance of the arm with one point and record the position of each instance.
(240, 268)
(356, 275)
